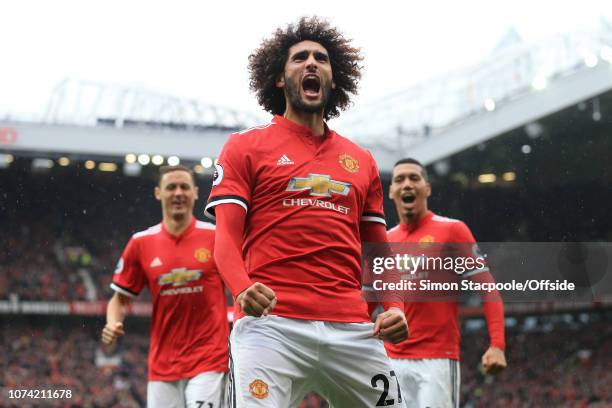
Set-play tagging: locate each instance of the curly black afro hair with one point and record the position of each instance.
(267, 62)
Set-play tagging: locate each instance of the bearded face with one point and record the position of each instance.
(307, 80)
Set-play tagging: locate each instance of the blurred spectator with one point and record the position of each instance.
(47, 356)
(553, 364)
(565, 365)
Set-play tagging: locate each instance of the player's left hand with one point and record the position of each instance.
(391, 326)
(494, 360)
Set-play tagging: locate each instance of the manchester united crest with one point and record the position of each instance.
(348, 163)
(258, 389)
(426, 240)
(202, 255)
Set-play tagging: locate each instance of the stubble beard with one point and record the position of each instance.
(299, 105)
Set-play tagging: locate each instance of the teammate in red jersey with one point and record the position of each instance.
(427, 363)
(188, 355)
(293, 202)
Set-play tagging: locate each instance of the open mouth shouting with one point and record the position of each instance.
(408, 198)
(311, 86)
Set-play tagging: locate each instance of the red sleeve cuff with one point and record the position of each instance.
(238, 285)
(389, 305)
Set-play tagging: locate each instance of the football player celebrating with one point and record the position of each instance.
(188, 354)
(294, 200)
(427, 364)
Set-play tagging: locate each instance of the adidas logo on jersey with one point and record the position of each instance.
(284, 161)
(156, 262)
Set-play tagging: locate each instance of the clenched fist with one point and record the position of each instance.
(493, 360)
(391, 326)
(257, 300)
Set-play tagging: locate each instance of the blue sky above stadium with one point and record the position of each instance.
(198, 49)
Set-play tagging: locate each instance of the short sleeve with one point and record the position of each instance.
(129, 277)
(461, 233)
(232, 179)
(373, 208)
(468, 248)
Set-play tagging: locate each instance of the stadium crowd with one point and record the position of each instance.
(73, 225)
(67, 242)
(65, 246)
(61, 354)
(555, 364)
(552, 363)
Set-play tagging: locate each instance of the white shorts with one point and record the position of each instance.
(275, 361)
(205, 390)
(428, 382)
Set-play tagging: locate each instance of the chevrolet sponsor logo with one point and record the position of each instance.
(180, 276)
(319, 185)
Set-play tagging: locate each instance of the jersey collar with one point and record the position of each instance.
(183, 234)
(414, 226)
(299, 129)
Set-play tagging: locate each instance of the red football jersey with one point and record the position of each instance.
(434, 326)
(189, 328)
(304, 200)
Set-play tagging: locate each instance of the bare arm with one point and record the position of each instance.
(115, 314)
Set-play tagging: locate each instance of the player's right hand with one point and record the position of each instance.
(257, 300)
(493, 360)
(111, 331)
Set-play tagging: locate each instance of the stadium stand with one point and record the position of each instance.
(66, 354)
(556, 360)
(72, 226)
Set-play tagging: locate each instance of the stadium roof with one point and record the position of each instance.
(86, 103)
(482, 96)
(517, 84)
